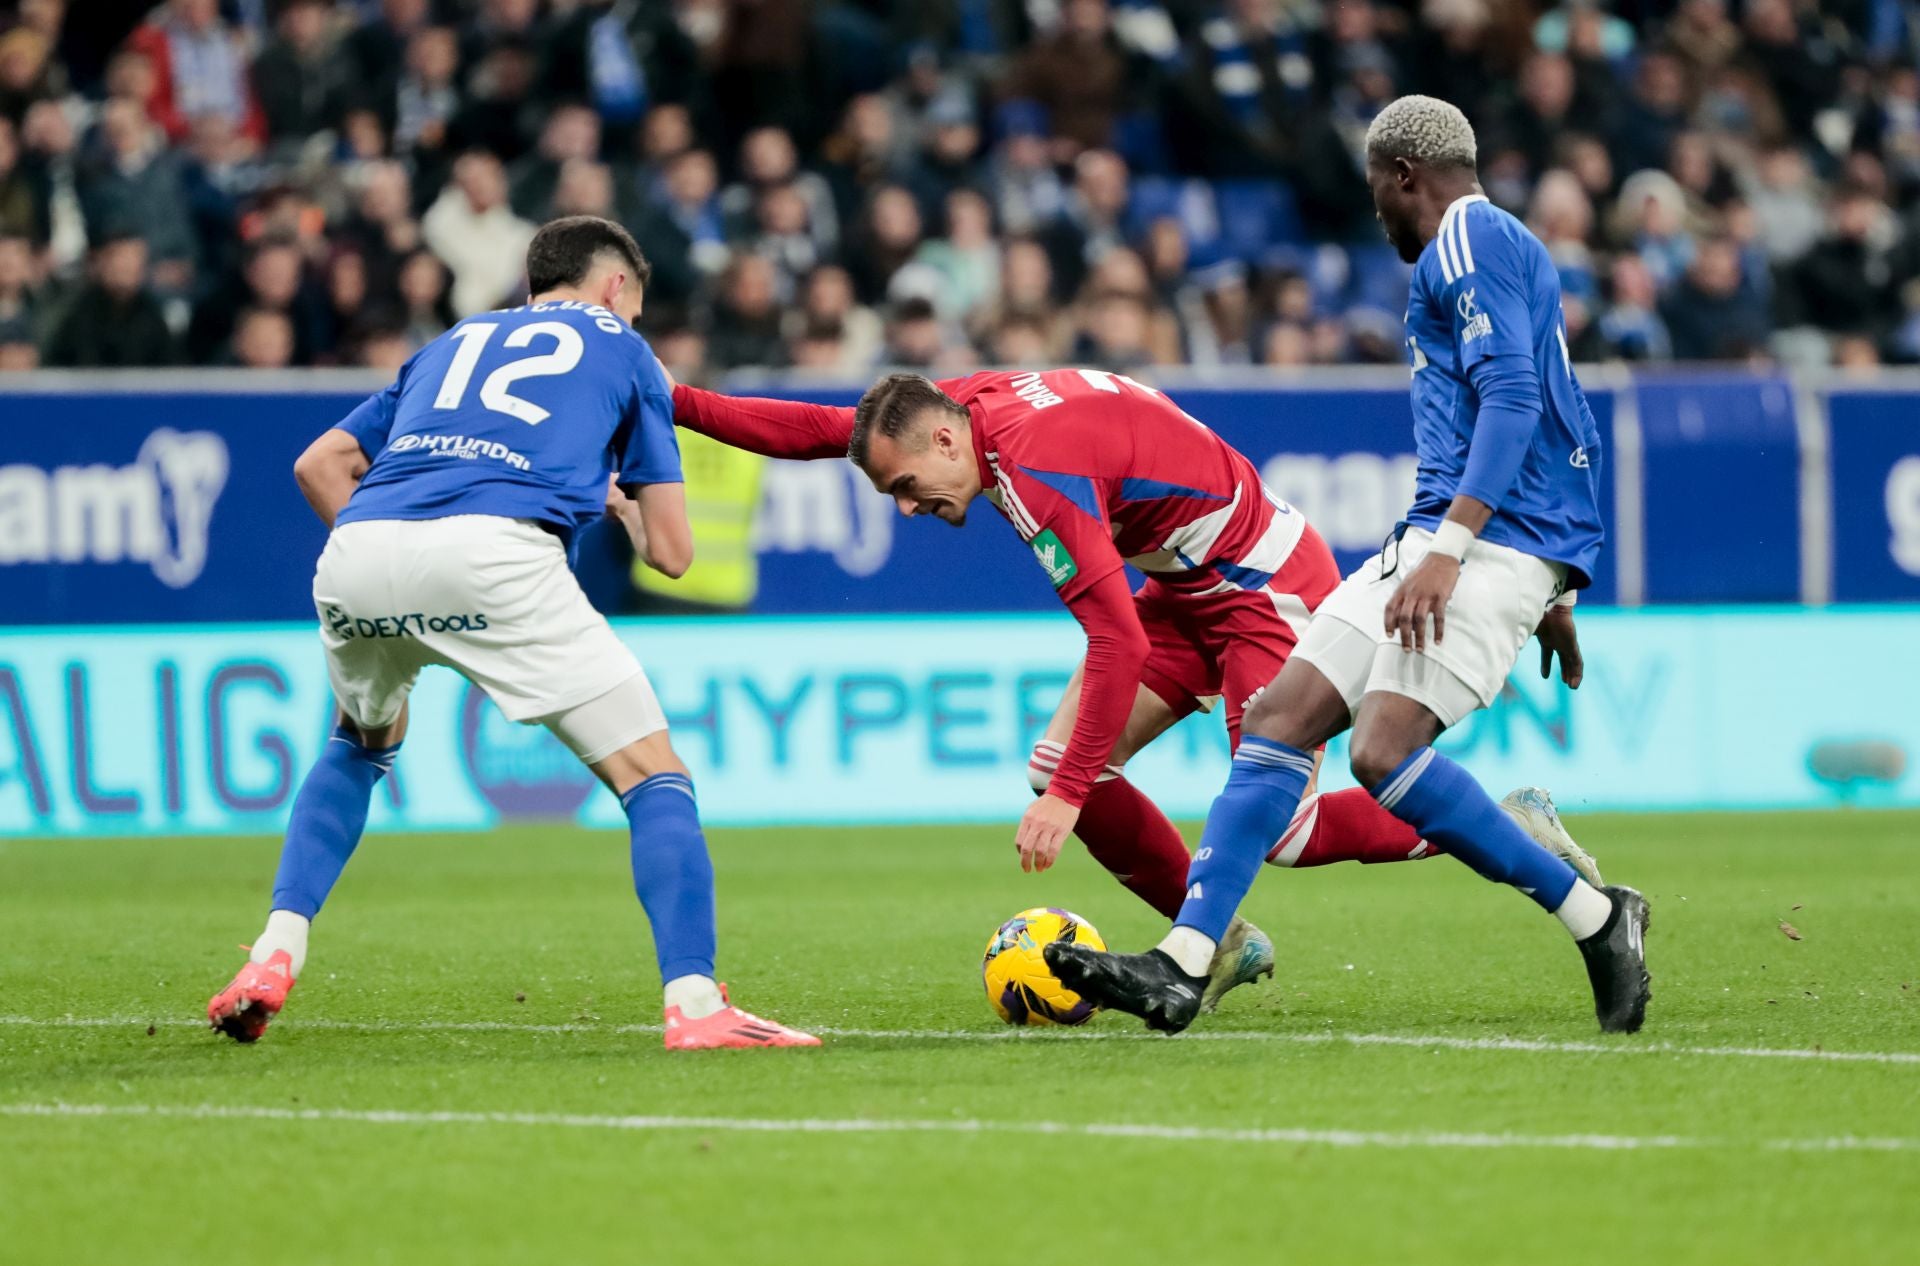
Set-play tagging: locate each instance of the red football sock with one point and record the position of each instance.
(1347, 826)
(1126, 832)
(1129, 835)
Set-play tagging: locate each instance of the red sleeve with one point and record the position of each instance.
(1117, 650)
(772, 428)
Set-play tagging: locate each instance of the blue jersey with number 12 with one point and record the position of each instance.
(1486, 300)
(521, 414)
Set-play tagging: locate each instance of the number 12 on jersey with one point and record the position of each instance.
(494, 394)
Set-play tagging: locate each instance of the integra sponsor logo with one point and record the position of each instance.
(462, 446)
(347, 627)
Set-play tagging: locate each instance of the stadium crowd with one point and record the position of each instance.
(942, 183)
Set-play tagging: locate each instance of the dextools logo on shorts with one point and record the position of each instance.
(347, 627)
(463, 446)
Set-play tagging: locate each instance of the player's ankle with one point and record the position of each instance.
(1190, 948)
(287, 931)
(697, 997)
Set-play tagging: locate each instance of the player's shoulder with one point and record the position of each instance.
(1476, 237)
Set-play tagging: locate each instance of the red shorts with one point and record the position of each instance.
(1231, 645)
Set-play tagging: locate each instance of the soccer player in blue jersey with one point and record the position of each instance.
(1504, 530)
(453, 497)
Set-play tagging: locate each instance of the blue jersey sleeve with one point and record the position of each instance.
(1487, 277)
(648, 449)
(372, 421)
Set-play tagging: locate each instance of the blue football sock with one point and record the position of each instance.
(1442, 801)
(1262, 792)
(672, 873)
(328, 818)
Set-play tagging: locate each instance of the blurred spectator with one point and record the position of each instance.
(199, 67)
(780, 231)
(965, 263)
(1654, 111)
(1847, 283)
(473, 229)
(19, 212)
(1707, 315)
(585, 188)
(1093, 221)
(768, 161)
(1631, 327)
(115, 321)
(274, 278)
(570, 134)
(916, 339)
(262, 339)
(948, 159)
(861, 156)
(1027, 189)
(1785, 204)
(682, 233)
(746, 315)
(28, 71)
(887, 238)
(376, 52)
(1247, 73)
(132, 183)
(20, 306)
(827, 300)
(1078, 73)
(1021, 339)
(421, 104)
(299, 78)
(426, 299)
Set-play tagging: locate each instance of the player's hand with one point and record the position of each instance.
(1042, 831)
(1423, 595)
(1557, 636)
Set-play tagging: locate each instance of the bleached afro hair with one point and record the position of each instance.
(1424, 130)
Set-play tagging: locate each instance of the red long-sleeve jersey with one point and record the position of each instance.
(1094, 471)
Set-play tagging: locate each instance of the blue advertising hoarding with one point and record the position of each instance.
(160, 499)
(1874, 439)
(176, 730)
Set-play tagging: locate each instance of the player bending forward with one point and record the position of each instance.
(1504, 529)
(1093, 470)
(453, 496)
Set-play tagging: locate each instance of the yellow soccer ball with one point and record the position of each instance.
(1021, 989)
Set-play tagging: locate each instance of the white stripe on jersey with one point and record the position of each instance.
(1009, 501)
(1275, 546)
(1453, 244)
(1190, 544)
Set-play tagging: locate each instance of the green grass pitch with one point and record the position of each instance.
(462, 1075)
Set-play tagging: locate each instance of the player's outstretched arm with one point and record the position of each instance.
(1117, 650)
(772, 428)
(329, 471)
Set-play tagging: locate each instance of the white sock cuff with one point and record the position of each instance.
(1585, 911)
(1191, 948)
(287, 931)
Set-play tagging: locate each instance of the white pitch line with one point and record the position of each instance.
(885, 1125)
(1418, 1041)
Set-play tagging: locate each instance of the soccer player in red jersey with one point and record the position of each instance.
(1095, 471)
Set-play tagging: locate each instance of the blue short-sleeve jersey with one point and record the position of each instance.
(1485, 303)
(521, 414)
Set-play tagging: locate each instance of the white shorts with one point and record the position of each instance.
(1494, 610)
(491, 598)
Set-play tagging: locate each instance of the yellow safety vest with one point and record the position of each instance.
(723, 493)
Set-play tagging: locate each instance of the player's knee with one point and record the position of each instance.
(1042, 764)
(1375, 756)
